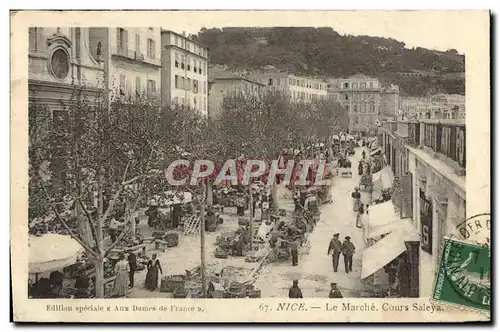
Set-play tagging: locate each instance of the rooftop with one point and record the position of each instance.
(223, 73)
(183, 35)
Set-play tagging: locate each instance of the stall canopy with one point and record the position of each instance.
(52, 252)
(382, 214)
(175, 197)
(404, 226)
(335, 137)
(381, 253)
(376, 151)
(383, 179)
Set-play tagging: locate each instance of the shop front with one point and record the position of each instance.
(438, 201)
(390, 261)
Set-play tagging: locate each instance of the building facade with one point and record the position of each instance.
(298, 88)
(428, 159)
(184, 72)
(131, 58)
(223, 83)
(440, 106)
(389, 101)
(365, 100)
(60, 60)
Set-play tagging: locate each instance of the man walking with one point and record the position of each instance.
(348, 250)
(294, 251)
(132, 262)
(336, 247)
(335, 292)
(295, 292)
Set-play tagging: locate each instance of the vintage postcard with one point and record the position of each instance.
(250, 166)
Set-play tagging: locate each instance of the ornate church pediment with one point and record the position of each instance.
(59, 38)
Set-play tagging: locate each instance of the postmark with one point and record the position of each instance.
(463, 276)
(475, 229)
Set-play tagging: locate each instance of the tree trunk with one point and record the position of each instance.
(202, 250)
(99, 278)
(251, 217)
(99, 263)
(210, 194)
(202, 244)
(132, 217)
(274, 195)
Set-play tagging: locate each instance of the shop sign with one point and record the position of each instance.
(425, 223)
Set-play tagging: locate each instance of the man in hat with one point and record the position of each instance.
(348, 250)
(336, 248)
(293, 244)
(334, 292)
(132, 263)
(294, 292)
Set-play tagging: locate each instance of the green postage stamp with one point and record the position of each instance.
(464, 275)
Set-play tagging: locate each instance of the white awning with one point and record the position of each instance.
(175, 197)
(381, 253)
(403, 226)
(382, 214)
(335, 137)
(374, 152)
(51, 252)
(383, 179)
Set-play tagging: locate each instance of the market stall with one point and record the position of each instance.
(51, 252)
(382, 183)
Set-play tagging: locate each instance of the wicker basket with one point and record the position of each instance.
(243, 221)
(180, 293)
(211, 227)
(172, 239)
(233, 295)
(236, 287)
(253, 293)
(220, 253)
(172, 282)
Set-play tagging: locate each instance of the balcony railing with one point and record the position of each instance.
(447, 139)
(127, 53)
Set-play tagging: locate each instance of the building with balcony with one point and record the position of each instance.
(365, 100)
(184, 71)
(298, 88)
(223, 83)
(428, 159)
(440, 106)
(131, 58)
(59, 61)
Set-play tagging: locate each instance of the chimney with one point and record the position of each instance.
(184, 33)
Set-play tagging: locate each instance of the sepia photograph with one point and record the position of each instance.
(280, 163)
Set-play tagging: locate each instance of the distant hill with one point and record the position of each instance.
(324, 52)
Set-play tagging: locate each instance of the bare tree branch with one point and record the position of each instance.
(117, 241)
(73, 235)
(91, 224)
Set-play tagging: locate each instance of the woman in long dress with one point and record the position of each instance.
(356, 199)
(152, 274)
(122, 270)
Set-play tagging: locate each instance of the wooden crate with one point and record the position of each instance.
(253, 293)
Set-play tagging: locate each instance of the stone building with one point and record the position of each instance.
(184, 71)
(223, 83)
